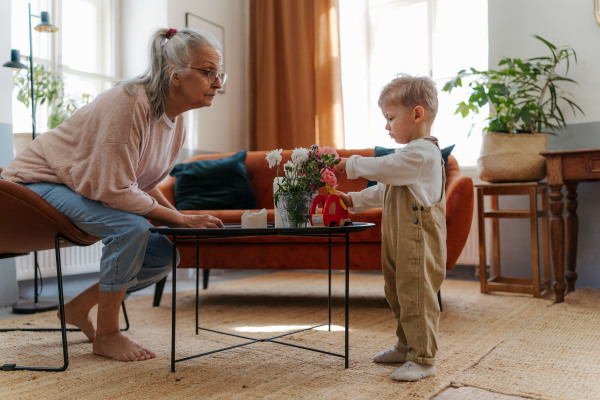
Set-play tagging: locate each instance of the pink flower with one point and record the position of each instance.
(328, 150)
(328, 176)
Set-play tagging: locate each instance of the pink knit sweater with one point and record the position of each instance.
(109, 150)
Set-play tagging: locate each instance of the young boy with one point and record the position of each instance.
(410, 190)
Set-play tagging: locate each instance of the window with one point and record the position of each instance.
(435, 38)
(82, 52)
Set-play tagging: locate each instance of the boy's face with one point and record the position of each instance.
(402, 122)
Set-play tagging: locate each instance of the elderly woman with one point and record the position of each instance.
(101, 166)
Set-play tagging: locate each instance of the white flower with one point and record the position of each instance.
(299, 155)
(290, 170)
(274, 157)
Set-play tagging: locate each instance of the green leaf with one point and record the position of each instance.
(523, 94)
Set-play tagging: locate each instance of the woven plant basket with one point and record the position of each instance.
(508, 157)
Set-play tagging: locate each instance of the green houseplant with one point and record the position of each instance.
(49, 89)
(524, 97)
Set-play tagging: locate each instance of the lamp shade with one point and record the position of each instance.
(45, 25)
(15, 60)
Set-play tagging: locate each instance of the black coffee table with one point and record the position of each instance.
(235, 231)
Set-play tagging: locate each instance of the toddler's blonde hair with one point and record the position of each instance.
(411, 91)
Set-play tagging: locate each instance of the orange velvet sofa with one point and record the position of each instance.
(278, 252)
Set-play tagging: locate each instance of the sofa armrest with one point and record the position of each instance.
(459, 215)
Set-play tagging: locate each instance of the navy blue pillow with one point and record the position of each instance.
(384, 151)
(220, 184)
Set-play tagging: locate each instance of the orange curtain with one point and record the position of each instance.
(295, 82)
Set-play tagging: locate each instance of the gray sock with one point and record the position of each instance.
(392, 355)
(413, 371)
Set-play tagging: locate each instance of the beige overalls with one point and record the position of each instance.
(413, 252)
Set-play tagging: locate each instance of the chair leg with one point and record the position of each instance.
(63, 326)
(440, 299)
(158, 291)
(205, 275)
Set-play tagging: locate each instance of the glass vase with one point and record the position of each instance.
(295, 208)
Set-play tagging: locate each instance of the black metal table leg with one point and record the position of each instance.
(347, 295)
(173, 302)
(198, 280)
(329, 297)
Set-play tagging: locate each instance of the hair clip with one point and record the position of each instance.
(171, 32)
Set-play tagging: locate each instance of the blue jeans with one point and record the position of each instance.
(132, 257)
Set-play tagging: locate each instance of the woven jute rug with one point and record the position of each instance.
(472, 326)
(555, 356)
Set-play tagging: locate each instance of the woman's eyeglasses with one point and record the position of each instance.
(213, 75)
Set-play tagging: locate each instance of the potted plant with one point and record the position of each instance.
(49, 89)
(526, 102)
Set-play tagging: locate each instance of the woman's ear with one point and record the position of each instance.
(175, 78)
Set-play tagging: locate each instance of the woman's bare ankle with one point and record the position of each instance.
(80, 318)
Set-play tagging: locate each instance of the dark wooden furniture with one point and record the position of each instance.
(496, 281)
(568, 168)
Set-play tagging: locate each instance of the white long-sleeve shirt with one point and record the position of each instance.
(417, 166)
(110, 150)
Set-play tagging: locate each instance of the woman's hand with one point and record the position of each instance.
(201, 221)
(175, 219)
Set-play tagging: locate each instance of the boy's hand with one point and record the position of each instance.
(347, 199)
(341, 167)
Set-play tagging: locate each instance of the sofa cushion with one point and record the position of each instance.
(384, 151)
(218, 184)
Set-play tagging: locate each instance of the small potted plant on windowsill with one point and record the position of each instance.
(526, 103)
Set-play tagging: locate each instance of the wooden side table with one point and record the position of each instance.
(567, 168)
(497, 282)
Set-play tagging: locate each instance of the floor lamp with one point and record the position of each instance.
(35, 305)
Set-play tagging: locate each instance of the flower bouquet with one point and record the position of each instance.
(302, 176)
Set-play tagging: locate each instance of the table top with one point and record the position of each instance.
(235, 230)
(570, 151)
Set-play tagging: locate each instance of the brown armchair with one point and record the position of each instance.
(29, 223)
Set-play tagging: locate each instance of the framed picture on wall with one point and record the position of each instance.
(202, 24)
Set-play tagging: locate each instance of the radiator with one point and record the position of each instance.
(74, 260)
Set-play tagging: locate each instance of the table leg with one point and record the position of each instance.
(329, 286)
(557, 236)
(173, 303)
(198, 281)
(571, 227)
(347, 296)
(481, 233)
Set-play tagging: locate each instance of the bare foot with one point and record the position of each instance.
(80, 318)
(119, 347)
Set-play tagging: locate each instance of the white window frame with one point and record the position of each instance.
(358, 132)
(107, 32)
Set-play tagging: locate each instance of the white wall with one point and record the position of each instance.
(512, 23)
(8, 272)
(224, 125)
(511, 26)
(140, 19)
(6, 74)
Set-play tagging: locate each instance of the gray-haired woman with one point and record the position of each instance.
(101, 166)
